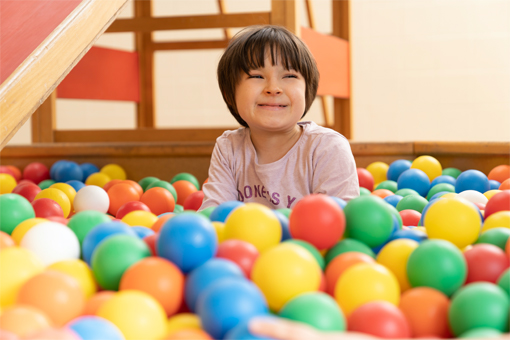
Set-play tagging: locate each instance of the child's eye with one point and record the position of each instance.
(291, 76)
(255, 76)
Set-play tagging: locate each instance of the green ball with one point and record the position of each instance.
(285, 211)
(84, 221)
(440, 187)
(504, 281)
(178, 209)
(495, 236)
(310, 247)
(368, 220)
(165, 185)
(364, 191)
(14, 209)
(481, 333)
(454, 172)
(412, 202)
(437, 264)
(388, 185)
(406, 191)
(316, 309)
(396, 214)
(207, 211)
(346, 245)
(184, 176)
(477, 305)
(146, 181)
(46, 184)
(113, 256)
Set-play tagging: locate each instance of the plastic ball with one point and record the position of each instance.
(479, 305)
(7, 183)
(363, 283)
(485, 262)
(114, 171)
(284, 223)
(429, 165)
(45, 207)
(316, 309)
(339, 264)
(481, 333)
(22, 228)
(189, 334)
(23, 320)
(159, 278)
(441, 187)
(472, 180)
(504, 281)
(221, 212)
(79, 270)
(96, 301)
(120, 194)
(68, 171)
(284, 272)
(411, 234)
(14, 209)
(494, 185)
(57, 196)
(6, 240)
(378, 171)
(410, 217)
(310, 248)
(500, 173)
(394, 256)
(207, 211)
(146, 181)
(241, 331)
(347, 245)
(412, 202)
(406, 192)
(254, 223)
(140, 218)
(84, 221)
(51, 242)
(505, 185)
(496, 236)
(396, 168)
(382, 193)
(183, 189)
(381, 319)
(63, 333)
(228, 302)
(498, 202)
(393, 200)
(46, 184)
(437, 264)
(36, 172)
(142, 232)
(497, 220)
(242, 253)
(443, 179)
(137, 315)
(365, 179)
(414, 179)
(11, 170)
(205, 275)
(364, 191)
(27, 190)
(131, 206)
(193, 201)
(165, 185)
(91, 198)
(158, 200)
(94, 327)
(388, 185)
(426, 310)
(186, 177)
(68, 190)
(98, 179)
(182, 321)
(473, 196)
(99, 233)
(161, 221)
(453, 172)
(219, 228)
(188, 240)
(88, 169)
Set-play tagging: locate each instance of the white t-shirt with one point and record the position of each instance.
(321, 161)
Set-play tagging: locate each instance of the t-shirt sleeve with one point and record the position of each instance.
(221, 185)
(334, 168)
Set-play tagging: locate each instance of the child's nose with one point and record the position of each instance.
(273, 88)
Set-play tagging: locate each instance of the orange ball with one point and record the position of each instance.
(135, 185)
(500, 173)
(96, 301)
(56, 294)
(159, 223)
(54, 334)
(120, 194)
(16, 172)
(505, 185)
(189, 334)
(159, 200)
(184, 189)
(426, 310)
(111, 183)
(6, 240)
(159, 278)
(339, 264)
(23, 320)
(382, 193)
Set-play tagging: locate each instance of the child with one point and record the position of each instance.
(269, 79)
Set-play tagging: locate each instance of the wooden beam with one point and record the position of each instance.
(38, 76)
(189, 45)
(145, 24)
(310, 14)
(222, 6)
(44, 120)
(286, 13)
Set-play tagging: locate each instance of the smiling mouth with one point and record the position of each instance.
(268, 105)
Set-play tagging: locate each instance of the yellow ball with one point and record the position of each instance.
(68, 190)
(422, 229)
(81, 272)
(453, 219)
(22, 228)
(255, 224)
(137, 314)
(366, 282)
(17, 265)
(500, 219)
(449, 195)
(114, 171)
(220, 230)
(428, 165)
(378, 171)
(394, 256)
(140, 218)
(58, 196)
(284, 272)
(183, 321)
(7, 183)
(98, 179)
(491, 193)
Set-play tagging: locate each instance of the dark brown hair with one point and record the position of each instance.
(247, 50)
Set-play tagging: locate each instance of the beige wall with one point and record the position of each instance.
(421, 70)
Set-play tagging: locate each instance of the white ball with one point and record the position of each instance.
(473, 196)
(52, 242)
(91, 197)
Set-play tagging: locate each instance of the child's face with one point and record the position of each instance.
(271, 98)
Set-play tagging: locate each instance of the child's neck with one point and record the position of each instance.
(272, 146)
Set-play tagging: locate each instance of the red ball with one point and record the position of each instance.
(36, 172)
(45, 207)
(150, 241)
(410, 217)
(485, 262)
(498, 202)
(16, 171)
(27, 189)
(317, 219)
(5, 170)
(194, 201)
(240, 252)
(365, 178)
(58, 219)
(129, 207)
(381, 319)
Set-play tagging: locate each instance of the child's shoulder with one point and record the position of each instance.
(232, 137)
(317, 132)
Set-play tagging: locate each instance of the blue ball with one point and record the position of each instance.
(411, 234)
(414, 179)
(494, 185)
(241, 332)
(397, 168)
(228, 302)
(284, 223)
(472, 180)
(101, 232)
(68, 171)
(95, 328)
(88, 169)
(188, 240)
(55, 167)
(443, 179)
(339, 201)
(77, 185)
(142, 232)
(393, 200)
(220, 213)
(202, 277)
